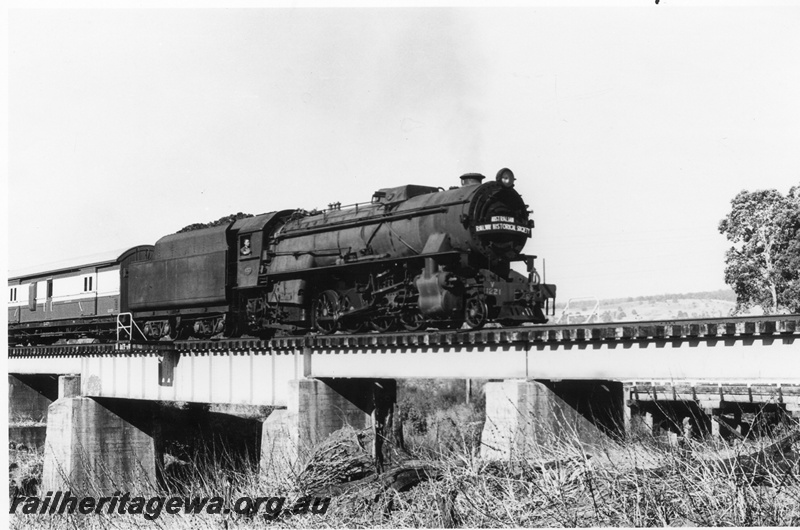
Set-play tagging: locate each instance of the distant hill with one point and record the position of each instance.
(709, 304)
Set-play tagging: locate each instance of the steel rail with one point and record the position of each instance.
(655, 330)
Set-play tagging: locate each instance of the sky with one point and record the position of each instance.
(630, 127)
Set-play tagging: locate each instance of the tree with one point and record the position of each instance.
(789, 261)
(763, 265)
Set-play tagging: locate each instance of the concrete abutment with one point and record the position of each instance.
(29, 396)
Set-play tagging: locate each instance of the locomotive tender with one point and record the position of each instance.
(411, 258)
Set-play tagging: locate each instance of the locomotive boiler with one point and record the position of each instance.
(412, 257)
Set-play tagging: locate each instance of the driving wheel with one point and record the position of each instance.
(476, 313)
(326, 311)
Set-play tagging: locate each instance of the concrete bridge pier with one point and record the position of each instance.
(526, 418)
(317, 408)
(90, 449)
(102, 445)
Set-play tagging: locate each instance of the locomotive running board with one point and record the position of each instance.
(355, 263)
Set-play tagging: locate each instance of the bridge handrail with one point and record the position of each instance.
(592, 313)
(127, 328)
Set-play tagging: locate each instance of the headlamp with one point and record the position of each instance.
(506, 178)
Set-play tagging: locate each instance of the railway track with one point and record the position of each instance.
(740, 328)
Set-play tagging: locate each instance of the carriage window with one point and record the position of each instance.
(12, 294)
(49, 288)
(87, 283)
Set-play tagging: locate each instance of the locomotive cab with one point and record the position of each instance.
(251, 236)
(265, 303)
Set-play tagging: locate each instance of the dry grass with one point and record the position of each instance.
(634, 484)
(697, 485)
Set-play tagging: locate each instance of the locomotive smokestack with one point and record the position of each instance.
(468, 179)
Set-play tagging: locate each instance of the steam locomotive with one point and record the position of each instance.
(413, 257)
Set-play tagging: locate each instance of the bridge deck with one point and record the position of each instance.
(558, 335)
(762, 350)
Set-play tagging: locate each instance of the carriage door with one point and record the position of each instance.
(49, 301)
(89, 290)
(32, 296)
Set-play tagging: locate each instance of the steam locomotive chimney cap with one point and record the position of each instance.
(468, 179)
